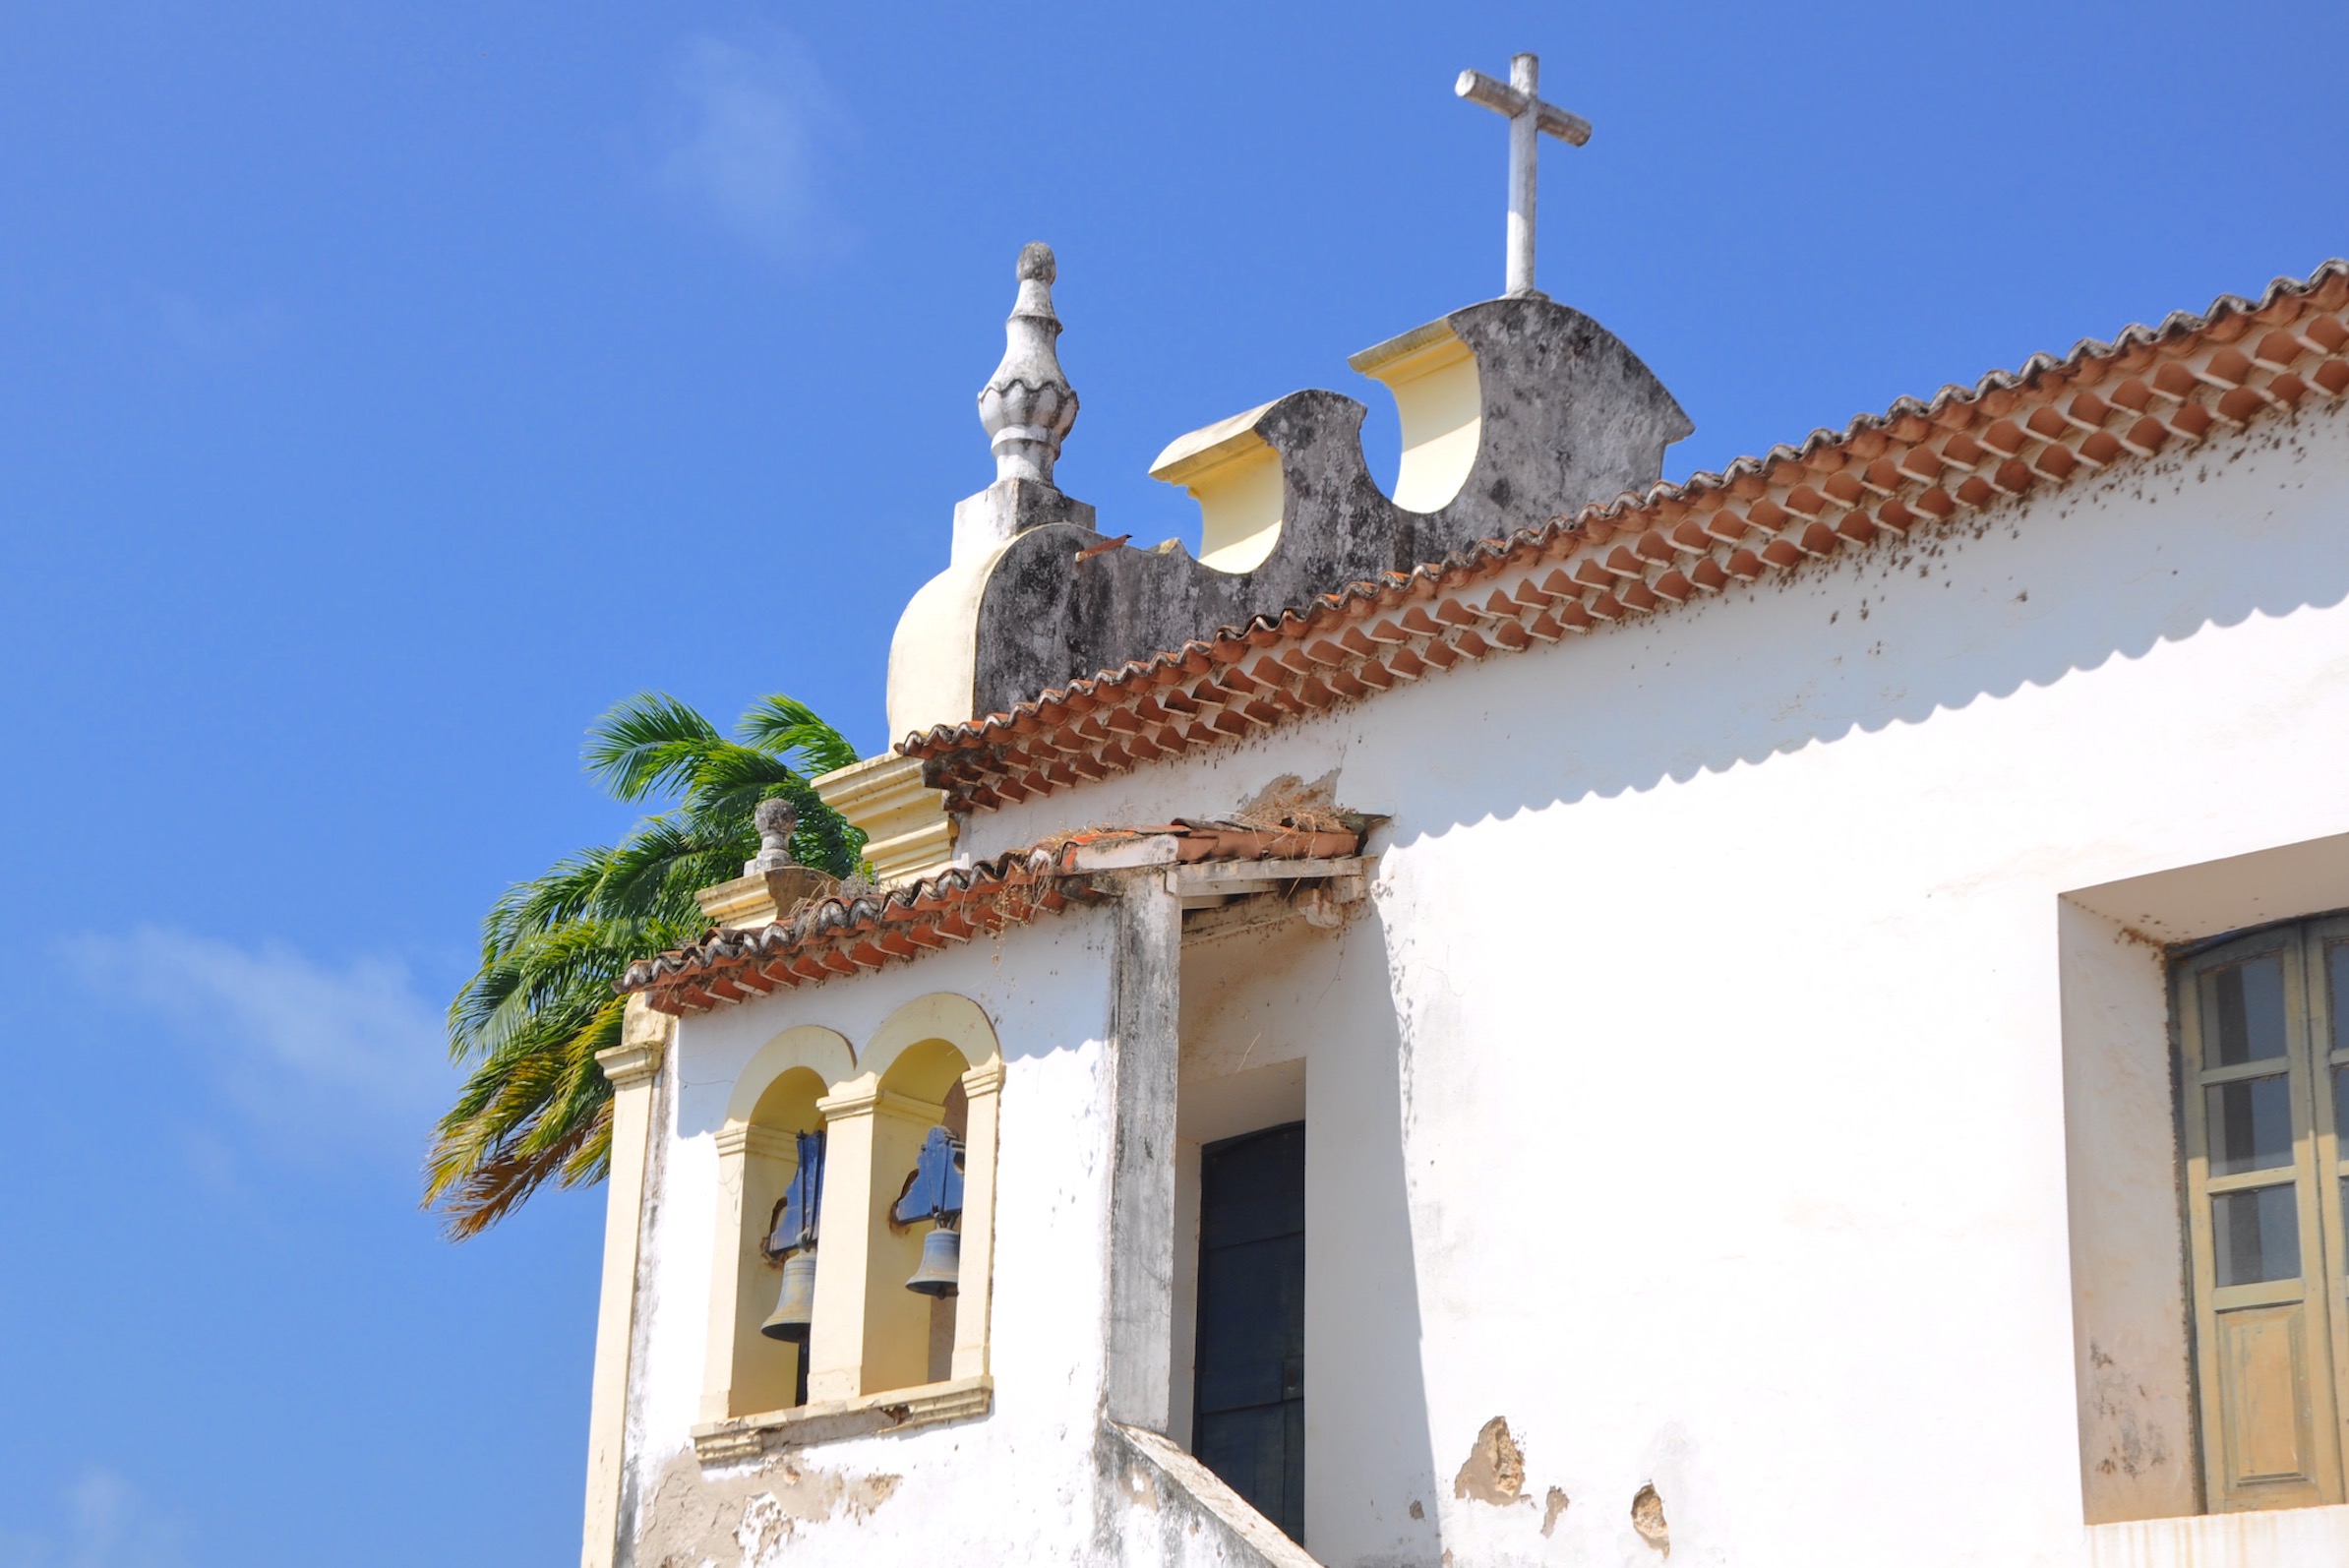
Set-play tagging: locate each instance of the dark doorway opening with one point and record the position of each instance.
(1248, 1425)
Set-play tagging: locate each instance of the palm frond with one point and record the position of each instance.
(564, 891)
(656, 868)
(731, 782)
(646, 744)
(787, 727)
(534, 1106)
(494, 1186)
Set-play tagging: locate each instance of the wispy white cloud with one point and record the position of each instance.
(322, 1057)
(748, 130)
(107, 1524)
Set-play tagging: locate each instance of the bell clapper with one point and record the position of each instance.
(935, 1194)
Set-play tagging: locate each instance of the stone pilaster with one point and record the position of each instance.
(983, 1085)
(1143, 1018)
(869, 1333)
(632, 1067)
(745, 1372)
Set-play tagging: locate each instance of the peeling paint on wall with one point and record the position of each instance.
(1495, 1471)
(1551, 1507)
(1648, 1518)
(692, 1520)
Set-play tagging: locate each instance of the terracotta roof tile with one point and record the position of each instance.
(1908, 470)
(849, 932)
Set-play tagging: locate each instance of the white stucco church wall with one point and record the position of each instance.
(1733, 1047)
(1726, 962)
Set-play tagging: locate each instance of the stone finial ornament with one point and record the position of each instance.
(772, 885)
(1028, 406)
(777, 819)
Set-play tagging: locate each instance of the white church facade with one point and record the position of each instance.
(1533, 1014)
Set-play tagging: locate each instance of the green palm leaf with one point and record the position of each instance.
(534, 1106)
(648, 745)
(781, 726)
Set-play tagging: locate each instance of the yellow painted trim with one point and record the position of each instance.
(1203, 451)
(1440, 399)
(632, 1065)
(762, 897)
(869, 1334)
(1235, 476)
(941, 1016)
(758, 1141)
(824, 1052)
(908, 832)
(1379, 360)
(983, 1087)
(899, 1410)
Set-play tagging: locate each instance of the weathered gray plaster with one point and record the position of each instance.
(1145, 1055)
(647, 1297)
(1570, 416)
(1160, 1506)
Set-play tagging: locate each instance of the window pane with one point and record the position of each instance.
(2336, 978)
(2250, 1124)
(2247, 1000)
(2258, 1235)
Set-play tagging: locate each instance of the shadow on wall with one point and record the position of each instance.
(1371, 1430)
(2022, 595)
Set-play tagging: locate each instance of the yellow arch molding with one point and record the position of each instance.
(824, 1052)
(942, 1015)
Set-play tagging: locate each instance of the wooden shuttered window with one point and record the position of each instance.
(2263, 1034)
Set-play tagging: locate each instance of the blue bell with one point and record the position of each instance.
(795, 1307)
(941, 1264)
(935, 1194)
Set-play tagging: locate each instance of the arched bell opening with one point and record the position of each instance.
(888, 1316)
(921, 1178)
(783, 1188)
(772, 1119)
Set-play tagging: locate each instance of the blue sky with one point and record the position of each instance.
(385, 390)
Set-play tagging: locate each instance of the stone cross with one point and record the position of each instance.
(1528, 115)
